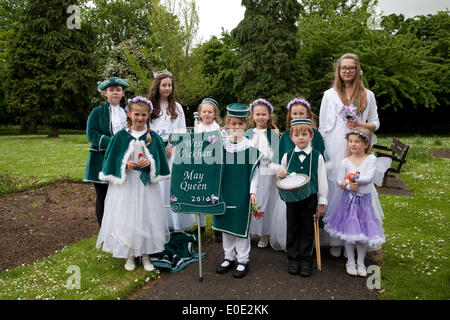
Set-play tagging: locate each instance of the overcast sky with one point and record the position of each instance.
(215, 14)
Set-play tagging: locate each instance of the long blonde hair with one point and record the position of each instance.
(359, 91)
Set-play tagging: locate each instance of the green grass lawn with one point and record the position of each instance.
(417, 228)
(415, 257)
(34, 160)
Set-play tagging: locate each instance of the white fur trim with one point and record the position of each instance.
(115, 180)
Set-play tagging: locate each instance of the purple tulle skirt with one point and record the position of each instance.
(354, 220)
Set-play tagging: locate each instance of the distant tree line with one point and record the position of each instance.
(280, 49)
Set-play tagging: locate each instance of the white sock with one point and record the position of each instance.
(240, 267)
(225, 264)
(350, 250)
(361, 248)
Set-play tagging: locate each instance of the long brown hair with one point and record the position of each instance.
(153, 96)
(359, 91)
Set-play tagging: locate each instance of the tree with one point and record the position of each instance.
(10, 11)
(327, 30)
(221, 63)
(51, 68)
(267, 42)
(117, 21)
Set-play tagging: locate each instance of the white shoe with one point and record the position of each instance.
(351, 269)
(148, 266)
(129, 265)
(335, 251)
(263, 242)
(361, 269)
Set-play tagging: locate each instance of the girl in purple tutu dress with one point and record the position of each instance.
(354, 220)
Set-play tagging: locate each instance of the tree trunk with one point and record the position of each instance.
(23, 125)
(53, 132)
(33, 126)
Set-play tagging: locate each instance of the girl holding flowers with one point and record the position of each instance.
(356, 220)
(134, 224)
(345, 106)
(265, 137)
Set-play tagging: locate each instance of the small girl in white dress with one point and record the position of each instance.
(265, 137)
(209, 114)
(134, 224)
(355, 220)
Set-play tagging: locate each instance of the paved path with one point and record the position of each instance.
(267, 279)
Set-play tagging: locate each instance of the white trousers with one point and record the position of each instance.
(236, 248)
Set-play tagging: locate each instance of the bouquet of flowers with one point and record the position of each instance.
(256, 211)
(348, 113)
(352, 177)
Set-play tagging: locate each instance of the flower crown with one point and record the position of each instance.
(358, 133)
(163, 72)
(298, 101)
(261, 101)
(139, 99)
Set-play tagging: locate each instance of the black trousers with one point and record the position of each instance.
(100, 189)
(300, 230)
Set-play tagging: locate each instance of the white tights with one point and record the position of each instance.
(361, 249)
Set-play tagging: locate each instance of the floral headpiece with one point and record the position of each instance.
(298, 101)
(140, 99)
(163, 72)
(358, 133)
(261, 101)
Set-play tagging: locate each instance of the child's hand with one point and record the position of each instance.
(131, 165)
(352, 124)
(169, 151)
(320, 210)
(281, 173)
(354, 186)
(253, 198)
(143, 163)
(343, 184)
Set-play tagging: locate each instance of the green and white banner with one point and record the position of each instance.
(196, 175)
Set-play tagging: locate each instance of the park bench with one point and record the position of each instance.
(397, 152)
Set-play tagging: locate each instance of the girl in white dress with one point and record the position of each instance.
(355, 220)
(265, 137)
(167, 117)
(134, 224)
(209, 114)
(348, 89)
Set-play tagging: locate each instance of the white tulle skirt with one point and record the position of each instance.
(133, 221)
(175, 221)
(266, 195)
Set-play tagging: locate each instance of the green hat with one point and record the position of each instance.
(210, 100)
(300, 121)
(237, 110)
(112, 82)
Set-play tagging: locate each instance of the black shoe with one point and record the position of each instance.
(306, 270)
(202, 229)
(241, 274)
(218, 236)
(222, 270)
(293, 268)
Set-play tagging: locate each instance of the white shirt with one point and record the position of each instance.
(207, 127)
(118, 118)
(322, 182)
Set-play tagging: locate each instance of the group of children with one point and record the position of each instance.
(131, 161)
